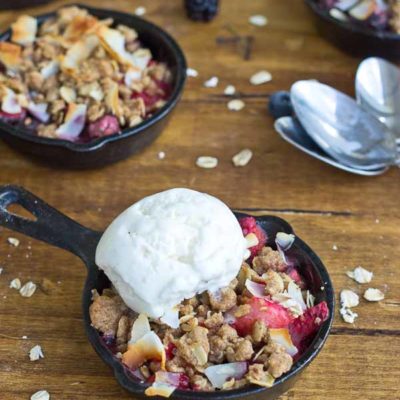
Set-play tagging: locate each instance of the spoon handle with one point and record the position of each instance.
(47, 224)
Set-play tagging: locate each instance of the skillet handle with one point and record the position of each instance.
(50, 225)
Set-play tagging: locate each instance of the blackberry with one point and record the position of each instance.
(201, 10)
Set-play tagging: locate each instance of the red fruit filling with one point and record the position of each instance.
(104, 126)
(272, 314)
(13, 117)
(170, 351)
(303, 328)
(249, 225)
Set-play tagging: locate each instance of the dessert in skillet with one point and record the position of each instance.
(199, 301)
(380, 15)
(75, 77)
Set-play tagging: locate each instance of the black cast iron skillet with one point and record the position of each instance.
(57, 229)
(109, 149)
(355, 39)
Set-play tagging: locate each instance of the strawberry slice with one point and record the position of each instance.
(303, 329)
(272, 314)
(249, 225)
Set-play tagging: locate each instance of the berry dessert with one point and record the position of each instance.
(199, 300)
(75, 77)
(380, 15)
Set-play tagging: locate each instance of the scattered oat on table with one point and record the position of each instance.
(230, 90)
(348, 315)
(260, 77)
(360, 275)
(161, 155)
(258, 20)
(192, 72)
(41, 395)
(15, 284)
(372, 294)
(349, 299)
(242, 158)
(139, 11)
(28, 289)
(212, 82)
(334, 247)
(35, 353)
(236, 105)
(207, 162)
(1, 270)
(13, 241)
(24, 337)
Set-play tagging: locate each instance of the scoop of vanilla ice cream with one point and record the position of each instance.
(169, 246)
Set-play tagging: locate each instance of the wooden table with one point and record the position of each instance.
(327, 208)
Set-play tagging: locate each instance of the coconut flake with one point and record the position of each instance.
(310, 299)
(171, 318)
(160, 389)
(68, 94)
(146, 348)
(39, 111)
(360, 275)
(242, 158)
(260, 78)
(131, 76)
(79, 52)
(28, 289)
(372, 294)
(207, 162)
(282, 337)
(363, 10)
(140, 328)
(15, 284)
(349, 299)
(41, 395)
(348, 315)
(295, 293)
(24, 30)
(252, 240)
(236, 105)
(284, 242)
(230, 90)
(35, 353)
(256, 289)
(50, 69)
(74, 122)
(9, 103)
(212, 82)
(219, 374)
(258, 20)
(141, 58)
(192, 72)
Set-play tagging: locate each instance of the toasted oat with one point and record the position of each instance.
(258, 20)
(360, 275)
(260, 77)
(139, 11)
(348, 298)
(41, 395)
(192, 72)
(35, 353)
(242, 158)
(28, 289)
(207, 162)
(161, 155)
(334, 247)
(212, 82)
(13, 241)
(15, 284)
(348, 315)
(236, 105)
(230, 90)
(372, 294)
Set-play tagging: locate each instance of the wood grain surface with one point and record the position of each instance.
(326, 207)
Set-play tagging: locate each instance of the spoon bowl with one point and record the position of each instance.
(341, 127)
(378, 91)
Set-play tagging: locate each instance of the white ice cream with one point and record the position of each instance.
(170, 246)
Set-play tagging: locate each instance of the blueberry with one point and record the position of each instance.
(280, 104)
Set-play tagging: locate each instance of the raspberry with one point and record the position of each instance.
(272, 314)
(303, 328)
(249, 225)
(104, 126)
(201, 10)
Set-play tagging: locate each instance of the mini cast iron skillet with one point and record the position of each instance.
(355, 39)
(109, 149)
(57, 229)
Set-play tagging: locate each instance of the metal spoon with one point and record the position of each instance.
(291, 131)
(378, 91)
(342, 128)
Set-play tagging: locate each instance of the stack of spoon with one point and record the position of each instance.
(363, 136)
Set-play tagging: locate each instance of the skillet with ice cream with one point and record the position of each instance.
(51, 226)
